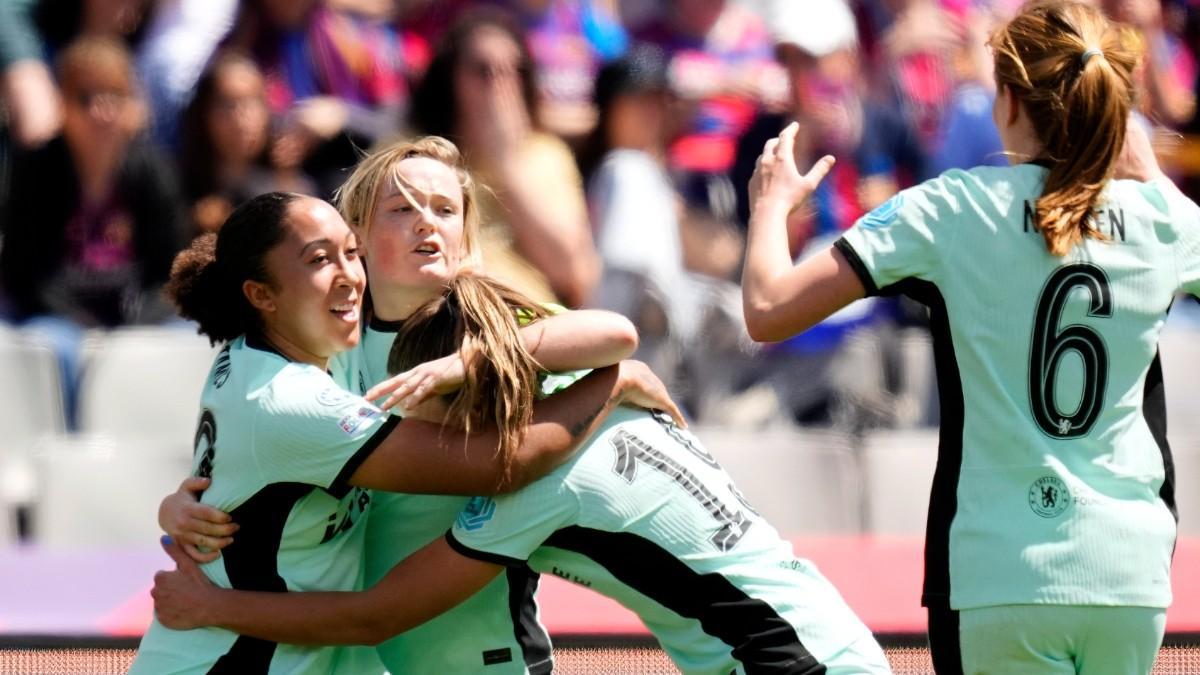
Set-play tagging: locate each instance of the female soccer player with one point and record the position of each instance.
(288, 451)
(642, 514)
(1051, 522)
(414, 207)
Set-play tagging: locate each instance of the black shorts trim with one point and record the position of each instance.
(944, 643)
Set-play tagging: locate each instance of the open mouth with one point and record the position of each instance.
(428, 248)
(346, 311)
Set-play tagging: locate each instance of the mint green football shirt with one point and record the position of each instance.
(279, 440)
(497, 630)
(1054, 480)
(644, 514)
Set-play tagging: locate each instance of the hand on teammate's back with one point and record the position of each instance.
(642, 388)
(200, 530)
(777, 178)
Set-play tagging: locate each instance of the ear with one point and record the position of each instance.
(260, 295)
(1014, 104)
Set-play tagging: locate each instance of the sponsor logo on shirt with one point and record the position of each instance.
(351, 422)
(477, 512)
(884, 214)
(1049, 497)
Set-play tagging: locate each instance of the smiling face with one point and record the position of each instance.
(415, 240)
(310, 307)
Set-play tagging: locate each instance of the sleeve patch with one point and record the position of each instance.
(883, 215)
(476, 513)
(352, 421)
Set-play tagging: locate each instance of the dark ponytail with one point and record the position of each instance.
(207, 277)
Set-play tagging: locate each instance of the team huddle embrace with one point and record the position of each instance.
(382, 474)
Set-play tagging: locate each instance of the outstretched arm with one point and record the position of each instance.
(572, 340)
(780, 299)
(422, 586)
(420, 457)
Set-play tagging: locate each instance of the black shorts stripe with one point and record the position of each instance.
(943, 496)
(761, 640)
(944, 644)
(535, 643)
(252, 564)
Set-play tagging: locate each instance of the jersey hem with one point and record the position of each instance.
(856, 264)
(485, 556)
(341, 484)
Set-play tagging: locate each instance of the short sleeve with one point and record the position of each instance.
(903, 238)
(507, 529)
(309, 430)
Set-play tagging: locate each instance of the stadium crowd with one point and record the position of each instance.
(616, 139)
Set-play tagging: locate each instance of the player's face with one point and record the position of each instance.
(415, 242)
(311, 306)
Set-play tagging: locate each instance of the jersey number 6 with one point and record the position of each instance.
(1051, 343)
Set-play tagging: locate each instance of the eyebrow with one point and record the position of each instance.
(315, 242)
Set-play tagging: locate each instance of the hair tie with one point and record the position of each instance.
(1089, 53)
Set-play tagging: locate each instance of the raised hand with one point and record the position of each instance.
(777, 180)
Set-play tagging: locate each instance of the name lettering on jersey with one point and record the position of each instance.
(478, 511)
(630, 450)
(349, 509)
(206, 444)
(575, 579)
(1108, 221)
(222, 368)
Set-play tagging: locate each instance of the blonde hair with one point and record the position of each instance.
(501, 377)
(358, 197)
(1073, 71)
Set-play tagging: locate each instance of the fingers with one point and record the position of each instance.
(203, 523)
(770, 149)
(787, 142)
(204, 541)
(200, 556)
(819, 170)
(175, 551)
(676, 414)
(386, 387)
(195, 484)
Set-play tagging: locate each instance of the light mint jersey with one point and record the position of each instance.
(280, 440)
(643, 514)
(1054, 481)
(497, 630)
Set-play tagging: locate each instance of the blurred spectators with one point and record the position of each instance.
(913, 47)
(334, 78)
(31, 31)
(480, 92)
(877, 150)
(226, 155)
(569, 39)
(92, 221)
(1168, 69)
(721, 66)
